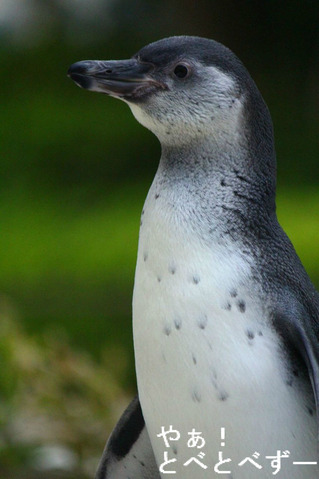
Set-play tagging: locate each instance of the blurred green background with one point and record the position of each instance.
(75, 169)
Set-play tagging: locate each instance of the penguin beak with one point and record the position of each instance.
(127, 79)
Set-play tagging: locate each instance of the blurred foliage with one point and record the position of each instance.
(75, 169)
(56, 405)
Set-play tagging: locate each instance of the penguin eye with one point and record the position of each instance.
(181, 71)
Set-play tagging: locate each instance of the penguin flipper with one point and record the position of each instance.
(128, 452)
(298, 324)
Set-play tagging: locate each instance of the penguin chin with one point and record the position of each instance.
(178, 133)
(185, 129)
(166, 134)
(140, 114)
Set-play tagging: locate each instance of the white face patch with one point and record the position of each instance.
(220, 81)
(209, 105)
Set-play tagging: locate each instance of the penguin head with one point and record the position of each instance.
(181, 88)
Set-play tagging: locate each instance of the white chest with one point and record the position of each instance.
(207, 358)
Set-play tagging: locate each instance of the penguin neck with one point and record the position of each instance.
(228, 186)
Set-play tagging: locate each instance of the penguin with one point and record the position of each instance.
(225, 318)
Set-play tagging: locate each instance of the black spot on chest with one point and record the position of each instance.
(241, 305)
(202, 322)
(167, 330)
(223, 395)
(227, 306)
(196, 279)
(250, 334)
(172, 269)
(178, 323)
(196, 397)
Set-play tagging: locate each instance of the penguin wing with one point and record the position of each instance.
(298, 324)
(128, 452)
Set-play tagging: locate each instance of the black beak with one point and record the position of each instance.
(123, 79)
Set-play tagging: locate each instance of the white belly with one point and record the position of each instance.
(207, 358)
